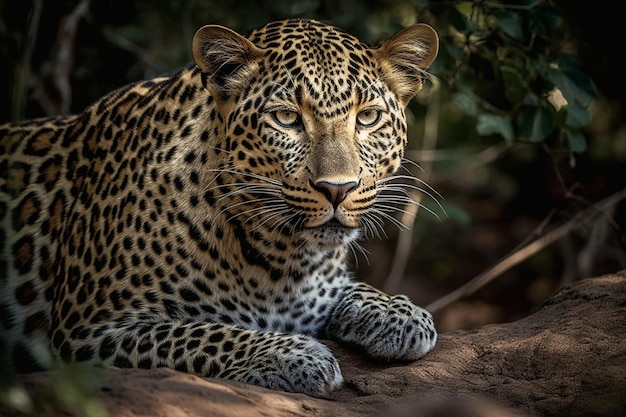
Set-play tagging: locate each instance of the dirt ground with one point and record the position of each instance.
(566, 359)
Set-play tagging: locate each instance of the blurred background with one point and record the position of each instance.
(519, 129)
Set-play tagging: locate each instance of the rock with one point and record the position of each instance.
(567, 359)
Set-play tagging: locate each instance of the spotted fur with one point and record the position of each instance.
(202, 221)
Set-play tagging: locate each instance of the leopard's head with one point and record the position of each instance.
(311, 122)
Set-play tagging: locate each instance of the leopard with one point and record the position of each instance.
(206, 221)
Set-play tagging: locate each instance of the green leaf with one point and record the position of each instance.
(576, 141)
(545, 20)
(510, 24)
(489, 124)
(515, 87)
(536, 123)
(584, 84)
(567, 61)
(575, 86)
(531, 99)
(466, 103)
(577, 117)
(459, 20)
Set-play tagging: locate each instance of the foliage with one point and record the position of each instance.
(71, 389)
(508, 65)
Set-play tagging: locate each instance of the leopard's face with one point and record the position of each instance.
(314, 123)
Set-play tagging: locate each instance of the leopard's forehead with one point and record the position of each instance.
(293, 32)
(330, 66)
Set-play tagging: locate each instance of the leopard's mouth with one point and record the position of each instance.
(333, 224)
(332, 233)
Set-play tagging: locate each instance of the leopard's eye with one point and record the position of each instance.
(368, 117)
(286, 117)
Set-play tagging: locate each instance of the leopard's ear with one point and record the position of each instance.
(405, 57)
(223, 56)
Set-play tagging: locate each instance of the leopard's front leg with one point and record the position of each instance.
(387, 327)
(294, 363)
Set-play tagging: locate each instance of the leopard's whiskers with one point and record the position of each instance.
(396, 192)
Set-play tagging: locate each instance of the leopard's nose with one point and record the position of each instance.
(335, 192)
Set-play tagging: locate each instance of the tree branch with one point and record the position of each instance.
(526, 252)
(59, 68)
(21, 69)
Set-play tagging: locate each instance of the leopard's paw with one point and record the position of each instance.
(388, 328)
(294, 363)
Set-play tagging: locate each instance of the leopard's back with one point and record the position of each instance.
(33, 200)
(44, 163)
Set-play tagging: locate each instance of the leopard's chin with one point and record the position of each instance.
(332, 234)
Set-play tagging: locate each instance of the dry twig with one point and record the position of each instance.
(520, 255)
(59, 68)
(21, 71)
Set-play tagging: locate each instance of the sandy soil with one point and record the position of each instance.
(566, 359)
